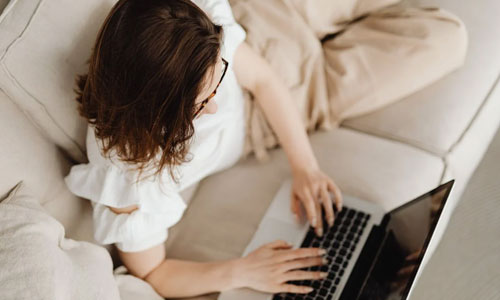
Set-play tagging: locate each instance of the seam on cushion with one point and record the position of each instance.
(480, 109)
(417, 144)
(24, 30)
(7, 9)
(20, 37)
(11, 77)
(388, 136)
(445, 168)
(486, 98)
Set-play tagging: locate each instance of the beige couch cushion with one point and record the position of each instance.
(38, 262)
(26, 155)
(3, 3)
(436, 117)
(42, 81)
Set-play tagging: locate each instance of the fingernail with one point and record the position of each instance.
(309, 289)
(330, 222)
(322, 251)
(320, 231)
(313, 221)
(323, 274)
(325, 261)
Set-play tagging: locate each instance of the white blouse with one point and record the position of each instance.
(217, 144)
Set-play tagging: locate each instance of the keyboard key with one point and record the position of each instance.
(327, 283)
(332, 252)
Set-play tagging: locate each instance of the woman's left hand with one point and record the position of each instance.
(312, 188)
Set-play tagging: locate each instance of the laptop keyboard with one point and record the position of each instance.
(340, 242)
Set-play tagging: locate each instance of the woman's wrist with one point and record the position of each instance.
(231, 274)
(303, 164)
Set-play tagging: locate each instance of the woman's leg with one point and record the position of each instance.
(280, 35)
(325, 17)
(389, 54)
(377, 55)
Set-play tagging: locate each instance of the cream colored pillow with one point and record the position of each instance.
(37, 262)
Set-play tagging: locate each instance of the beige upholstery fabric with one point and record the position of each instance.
(3, 3)
(26, 155)
(437, 123)
(38, 262)
(376, 56)
(41, 82)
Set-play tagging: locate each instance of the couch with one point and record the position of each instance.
(389, 156)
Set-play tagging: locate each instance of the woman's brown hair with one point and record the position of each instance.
(149, 63)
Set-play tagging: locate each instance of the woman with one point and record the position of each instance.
(164, 104)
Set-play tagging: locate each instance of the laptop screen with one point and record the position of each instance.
(408, 232)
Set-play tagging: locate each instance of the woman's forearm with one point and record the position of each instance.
(179, 278)
(281, 110)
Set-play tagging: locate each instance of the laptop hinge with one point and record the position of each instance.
(366, 259)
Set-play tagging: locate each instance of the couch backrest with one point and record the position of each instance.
(3, 3)
(43, 46)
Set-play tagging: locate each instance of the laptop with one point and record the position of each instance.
(372, 254)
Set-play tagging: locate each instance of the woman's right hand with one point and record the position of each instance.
(269, 267)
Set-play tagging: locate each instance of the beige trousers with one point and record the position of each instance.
(341, 59)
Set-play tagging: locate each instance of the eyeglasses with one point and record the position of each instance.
(204, 102)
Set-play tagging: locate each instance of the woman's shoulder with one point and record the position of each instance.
(219, 11)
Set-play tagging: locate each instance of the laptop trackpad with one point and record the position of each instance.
(271, 229)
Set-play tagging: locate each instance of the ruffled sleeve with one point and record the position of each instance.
(220, 13)
(107, 184)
